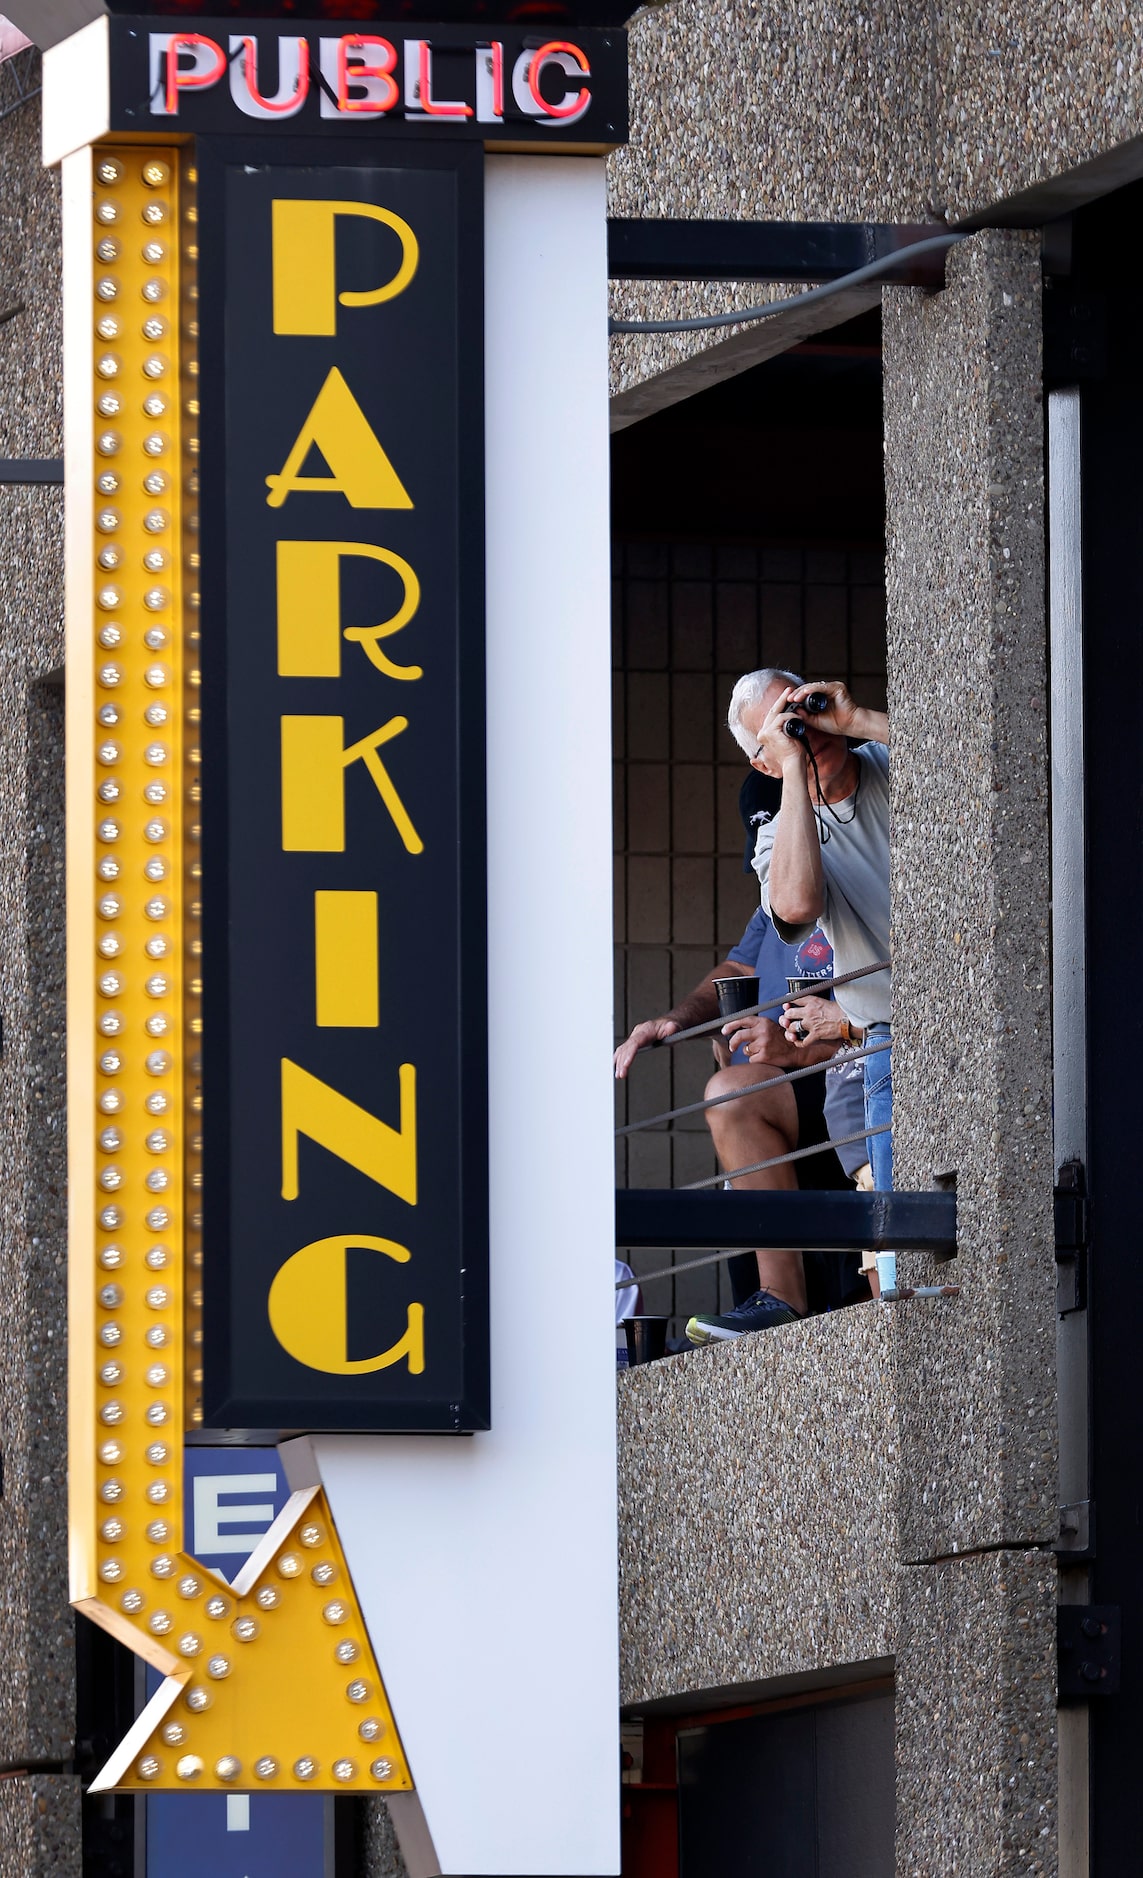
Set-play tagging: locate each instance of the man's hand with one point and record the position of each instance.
(844, 718)
(779, 755)
(841, 717)
(811, 1020)
(653, 1030)
(761, 1039)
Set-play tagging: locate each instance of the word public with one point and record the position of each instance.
(359, 72)
(494, 83)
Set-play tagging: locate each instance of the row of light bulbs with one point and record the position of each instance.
(268, 1597)
(139, 821)
(228, 1767)
(119, 826)
(245, 1629)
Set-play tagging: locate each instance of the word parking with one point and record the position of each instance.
(345, 1287)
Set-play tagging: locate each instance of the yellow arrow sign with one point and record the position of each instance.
(270, 1682)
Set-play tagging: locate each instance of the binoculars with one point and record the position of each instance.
(813, 705)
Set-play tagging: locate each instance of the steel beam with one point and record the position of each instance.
(31, 469)
(783, 251)
(829, 1222)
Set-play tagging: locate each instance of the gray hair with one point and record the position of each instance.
(749, 691)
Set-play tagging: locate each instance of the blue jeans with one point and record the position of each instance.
(879, 1107)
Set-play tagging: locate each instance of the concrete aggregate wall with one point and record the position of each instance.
(801, 1501)
(36, 1626)
(888, 112)
(39, 1826)
(972, 1068)
(31, 401)
(379, 1855)
(39, 1814)
(1023, 93)
(813, 112)
(976, 1754)
(757, 1508)
(972, 1062)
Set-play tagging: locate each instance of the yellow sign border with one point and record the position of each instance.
(270, 1682)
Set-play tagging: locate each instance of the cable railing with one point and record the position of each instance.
(694, 1217)
(753, 1088)
(821, 987)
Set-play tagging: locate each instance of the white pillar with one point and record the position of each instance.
(486, 1566)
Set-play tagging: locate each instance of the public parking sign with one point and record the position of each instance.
(344, 1077)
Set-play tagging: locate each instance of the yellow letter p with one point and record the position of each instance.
(305, 264)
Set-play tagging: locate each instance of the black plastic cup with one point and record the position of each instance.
(808, 988)
(646, 1339)
(735, 994)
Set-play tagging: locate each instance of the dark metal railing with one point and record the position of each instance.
(827, 1222)
(743, 1220)
(734, 1219)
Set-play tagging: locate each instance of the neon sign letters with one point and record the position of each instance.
(495, 83)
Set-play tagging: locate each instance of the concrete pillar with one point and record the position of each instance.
(379, 1855)
(39, 1826)
(978, 1494)
(976, 1748)
(39, 1813)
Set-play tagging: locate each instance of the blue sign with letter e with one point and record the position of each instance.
(233, 1496)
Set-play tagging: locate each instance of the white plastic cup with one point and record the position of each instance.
(886, 1271)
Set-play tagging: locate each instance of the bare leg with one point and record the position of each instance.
(754, 1129)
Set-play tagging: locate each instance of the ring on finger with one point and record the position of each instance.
(800, 1032)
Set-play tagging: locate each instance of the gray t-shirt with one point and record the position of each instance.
(855, 864)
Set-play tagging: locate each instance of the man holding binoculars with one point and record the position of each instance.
(824, 858)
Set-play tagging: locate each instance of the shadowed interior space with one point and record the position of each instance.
(748, 529)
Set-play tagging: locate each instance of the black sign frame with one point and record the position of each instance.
(210, 110)
(243, 1393)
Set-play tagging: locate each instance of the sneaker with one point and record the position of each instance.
(761, 1312)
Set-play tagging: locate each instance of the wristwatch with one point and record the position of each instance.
(850, 1033)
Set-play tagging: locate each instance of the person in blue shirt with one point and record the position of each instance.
(772, 1121)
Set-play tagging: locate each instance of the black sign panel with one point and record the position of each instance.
(527, 88)
(343, 859)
